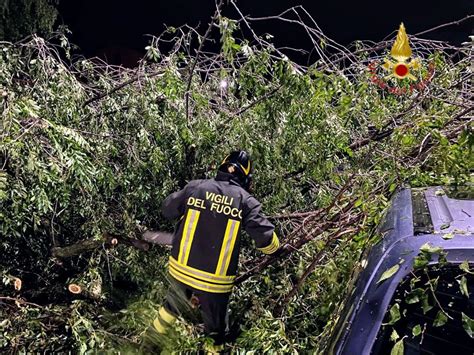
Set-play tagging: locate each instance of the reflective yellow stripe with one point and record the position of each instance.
(213, 349)
(200, 285)
(227, 246)
(166, 316)
(246, 171)
(203, 275)
(160, 328)
(272, 247)
(188, 235)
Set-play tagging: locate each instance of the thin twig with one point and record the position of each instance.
(19, 301)
(198, 52)
(457, 22)
(316, 260)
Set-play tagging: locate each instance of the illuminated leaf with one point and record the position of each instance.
(398, 348)
(420, 261)
(394, 314)
(468, 325)
(427, 248)
(425, 304)
(465, 267)
(413, 281)
(440, 319)
(389, 273)
(394, 336)
(448, 236)
(463, 286)
(416, 330)
(414, 296)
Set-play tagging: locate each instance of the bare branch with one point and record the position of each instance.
(457, 22)
(198, 52)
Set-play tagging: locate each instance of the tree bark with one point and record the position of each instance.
(87, 245)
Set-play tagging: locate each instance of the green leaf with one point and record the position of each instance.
(425, 304)
(448, 236)
(420, 261)
(414, 296)
(407, 140)
(440, 319)
(413, 281)
(465, 267)
(394, 336)
(442, 260)
(416, 330)
(468, 325)
(398, 348)
(463, 286)
(392, 187)
(389, 273)
(427, 248)
(394, 314)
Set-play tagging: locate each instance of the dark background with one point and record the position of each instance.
(116, 30)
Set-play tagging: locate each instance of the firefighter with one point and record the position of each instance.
(205, 250)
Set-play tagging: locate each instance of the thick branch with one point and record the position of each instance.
(318, 230)
(87, 245)
(378, 136)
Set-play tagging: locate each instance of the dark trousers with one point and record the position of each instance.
(182, 299)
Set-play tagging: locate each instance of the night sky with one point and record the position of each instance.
(117, 29)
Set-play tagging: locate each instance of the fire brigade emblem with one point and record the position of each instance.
(403, 64)
(400, 65)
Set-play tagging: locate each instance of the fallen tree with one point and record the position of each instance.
(87, 148)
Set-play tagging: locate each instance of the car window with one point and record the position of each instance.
(421, 310)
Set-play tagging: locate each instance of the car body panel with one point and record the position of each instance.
(362, 318)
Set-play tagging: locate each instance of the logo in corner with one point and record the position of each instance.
(401, 66)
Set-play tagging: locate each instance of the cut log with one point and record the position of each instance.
(77, 248)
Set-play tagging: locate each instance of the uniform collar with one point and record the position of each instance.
(223, 176)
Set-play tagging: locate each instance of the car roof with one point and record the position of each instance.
(449, 215)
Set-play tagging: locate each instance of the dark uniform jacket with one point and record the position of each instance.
(206, 245)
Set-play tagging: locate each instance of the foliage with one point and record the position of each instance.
(89, 149)
(20, 18)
